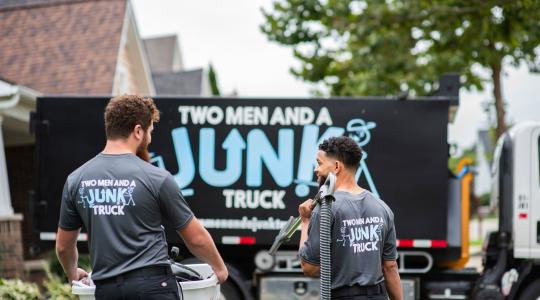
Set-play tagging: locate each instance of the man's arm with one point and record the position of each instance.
(310, 270)
(392, 281)
(201, 244)
(305, 210)
(66, 250)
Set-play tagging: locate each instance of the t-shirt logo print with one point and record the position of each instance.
(362, 234)
(106, 196)
(344, 237)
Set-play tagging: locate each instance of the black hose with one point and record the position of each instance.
(324, 247)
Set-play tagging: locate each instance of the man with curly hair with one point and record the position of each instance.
(121, 200)
(363, 234)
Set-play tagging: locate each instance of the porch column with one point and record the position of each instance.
(5, 199)
(11, 251)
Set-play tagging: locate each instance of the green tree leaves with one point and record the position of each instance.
(374, 47)
(212, 78)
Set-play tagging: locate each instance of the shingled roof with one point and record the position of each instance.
(61, 47)
(163, 54)
(186, 83)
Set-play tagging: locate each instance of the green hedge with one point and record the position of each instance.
(15, 289)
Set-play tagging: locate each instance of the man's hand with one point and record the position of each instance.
(200, 243)
(222, 275)
(79, 275)
(305, 209)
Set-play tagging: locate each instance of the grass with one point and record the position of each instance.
(476, 243)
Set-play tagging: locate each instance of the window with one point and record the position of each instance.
(538, 148)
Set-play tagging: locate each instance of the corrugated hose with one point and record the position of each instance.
(324, 247)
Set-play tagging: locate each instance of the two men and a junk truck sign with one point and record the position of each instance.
(244, 165)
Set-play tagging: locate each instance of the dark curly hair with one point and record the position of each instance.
(124, 112)
(344, 149)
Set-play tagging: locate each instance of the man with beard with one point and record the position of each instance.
(363, 245)
(121, 200)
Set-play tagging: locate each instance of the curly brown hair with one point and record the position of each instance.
(124, 112)
(344, 149)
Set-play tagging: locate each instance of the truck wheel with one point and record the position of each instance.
(532, 291)
(229, 291)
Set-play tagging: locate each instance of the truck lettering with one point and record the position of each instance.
(184, 157)
(253, 115)
(233, 145)
(308, 150)
(279, 160)
(260, 150)
(201, 114)
(253, 199)
(246, 115)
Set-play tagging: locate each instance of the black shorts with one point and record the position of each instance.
(356, 292)
(145, 283)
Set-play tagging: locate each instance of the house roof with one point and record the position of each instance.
(161, 52)
(187, 83)
(61, 47)
(17, 4)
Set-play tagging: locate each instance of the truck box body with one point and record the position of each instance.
(245, 165)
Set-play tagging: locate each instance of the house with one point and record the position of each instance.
(168, 72)
(164, 54)
(57, 47)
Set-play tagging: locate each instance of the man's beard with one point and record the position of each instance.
(142, 151)
(321, 180)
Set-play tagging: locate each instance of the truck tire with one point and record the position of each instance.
(229, 291)
(532, 291)
(488, 294)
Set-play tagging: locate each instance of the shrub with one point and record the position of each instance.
(15, 289)
(57, 288)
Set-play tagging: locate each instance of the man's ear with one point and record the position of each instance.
(337, 167)
(138, 131)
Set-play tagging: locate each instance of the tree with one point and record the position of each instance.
(212, 77)
(387, 47)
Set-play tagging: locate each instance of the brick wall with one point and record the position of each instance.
(11, 254)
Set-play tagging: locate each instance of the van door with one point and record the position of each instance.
(535, 194)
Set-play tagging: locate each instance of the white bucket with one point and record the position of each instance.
(201, 289)
(197, 290)
(84, 293)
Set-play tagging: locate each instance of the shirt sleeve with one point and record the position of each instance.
(173, 206)
(389, 249)
(69, 216)
(309, 252)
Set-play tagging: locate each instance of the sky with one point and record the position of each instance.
(227, 34)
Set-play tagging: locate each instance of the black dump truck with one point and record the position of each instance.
(244, 165)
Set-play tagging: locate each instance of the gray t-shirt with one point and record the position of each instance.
(363, 236)
(122, 201)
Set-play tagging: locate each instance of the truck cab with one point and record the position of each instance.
(512, 253)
